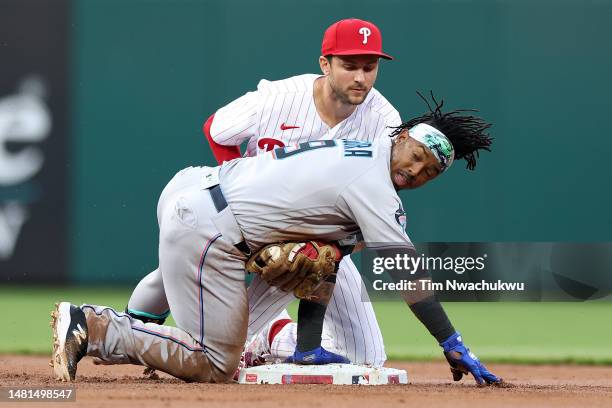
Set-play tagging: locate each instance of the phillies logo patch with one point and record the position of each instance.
(267, 144)
(366, 32)
(400, 217)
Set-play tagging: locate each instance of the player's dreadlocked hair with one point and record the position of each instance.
(467, 133)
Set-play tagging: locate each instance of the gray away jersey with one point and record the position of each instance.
(326, 189)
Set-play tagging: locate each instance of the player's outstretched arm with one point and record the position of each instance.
(426, 307)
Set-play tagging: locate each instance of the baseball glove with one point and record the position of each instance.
(295, 266)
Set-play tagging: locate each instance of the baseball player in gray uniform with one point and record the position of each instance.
(341, 103)
(207, 216)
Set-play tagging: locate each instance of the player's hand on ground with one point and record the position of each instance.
(463, 361)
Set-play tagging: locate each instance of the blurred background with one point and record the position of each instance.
(102, 102)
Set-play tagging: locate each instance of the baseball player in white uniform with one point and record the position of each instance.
(341, 103)
(207, 216)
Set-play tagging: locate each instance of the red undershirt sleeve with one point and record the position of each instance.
(222, 153)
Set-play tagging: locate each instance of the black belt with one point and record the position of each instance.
(217, 197)
(221, 204)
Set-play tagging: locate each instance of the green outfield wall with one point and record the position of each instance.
(146, 74)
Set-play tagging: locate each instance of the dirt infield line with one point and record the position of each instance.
(430, 386)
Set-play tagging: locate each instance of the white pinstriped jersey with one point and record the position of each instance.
(282, 113)
(325, 189)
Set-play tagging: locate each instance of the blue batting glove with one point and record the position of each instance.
(463, 361)
(317, 356)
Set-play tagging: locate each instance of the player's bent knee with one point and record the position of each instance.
(225, 372)
(223, 363)
(191, 371)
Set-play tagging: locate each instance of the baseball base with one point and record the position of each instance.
(340, 374)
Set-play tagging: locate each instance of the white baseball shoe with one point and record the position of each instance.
(69, 340)
(256, 350)
(254, 354)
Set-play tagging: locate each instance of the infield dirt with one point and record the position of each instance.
(430, 386)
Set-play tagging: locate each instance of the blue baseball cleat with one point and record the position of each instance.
(317, 356)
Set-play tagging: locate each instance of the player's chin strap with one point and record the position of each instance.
(221, 204)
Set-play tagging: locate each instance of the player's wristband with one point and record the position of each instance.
(451, 342)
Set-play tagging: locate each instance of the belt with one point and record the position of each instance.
(221, 204)
(218, 199)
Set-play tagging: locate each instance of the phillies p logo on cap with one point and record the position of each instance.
(366, 33)
(353, 37)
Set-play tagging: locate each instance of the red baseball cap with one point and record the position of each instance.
(353, 37)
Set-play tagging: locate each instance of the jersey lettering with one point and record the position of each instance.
(358, 144)
(267, 144)
(357, 153)
(285, 152)
(357, 148)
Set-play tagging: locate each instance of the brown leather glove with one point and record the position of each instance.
(295, 266)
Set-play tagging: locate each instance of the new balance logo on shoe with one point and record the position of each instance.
(79, 334)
